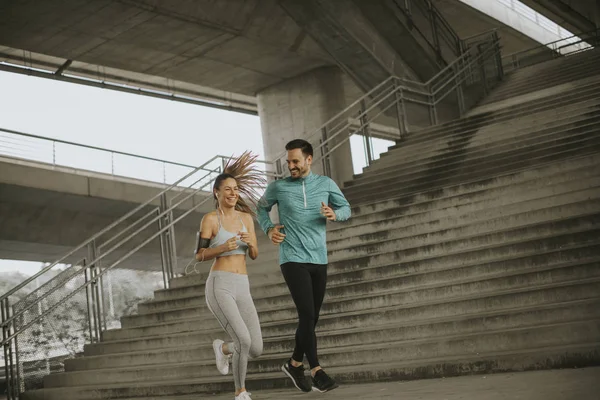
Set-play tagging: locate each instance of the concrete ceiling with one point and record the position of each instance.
(239, 46)
(456, 13)
(574, 15)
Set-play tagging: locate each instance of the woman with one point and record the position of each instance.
(226, 235)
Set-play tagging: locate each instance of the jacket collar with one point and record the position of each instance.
(311, 175)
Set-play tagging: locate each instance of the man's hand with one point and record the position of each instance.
(276, 236)
(327, 212)
(230, 244)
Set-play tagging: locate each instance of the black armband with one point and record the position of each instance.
(201, 243)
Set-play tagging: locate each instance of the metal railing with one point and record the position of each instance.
(405, 103)
(58, 152)
(545, 52)
(153, 222)
(429, 24)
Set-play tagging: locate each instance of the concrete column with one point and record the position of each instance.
(298, 108)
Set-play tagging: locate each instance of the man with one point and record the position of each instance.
(303, 202)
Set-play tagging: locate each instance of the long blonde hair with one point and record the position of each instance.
(248, 178)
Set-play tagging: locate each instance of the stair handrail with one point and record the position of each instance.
(436, 15)
(457, 78)
(514, 59)
(99, 258)
(106, 229)
(453, 74)
(432, 14)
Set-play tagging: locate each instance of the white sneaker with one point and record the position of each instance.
(243, 396)
(221, 359)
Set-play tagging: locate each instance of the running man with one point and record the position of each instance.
(303, 202)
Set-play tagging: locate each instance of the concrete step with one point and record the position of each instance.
(508, 184)
(413, 273)
(550, 67)
(571, 356)
(406, 232)
(441, 330)
(503, 163)
(467, 212)
(270, 309)
(584, 273)
(425, 311)
(453, 156)
(454, 225)
(546, 341)
(543, 81)
(553, 64)
(519, 195)
(580, 92)
(474, 149)
(408, 151)
(553, 92)
(577, 219)
(476, 246)
(349, 290)
(197, 299)
(547, 77)
(513, 300)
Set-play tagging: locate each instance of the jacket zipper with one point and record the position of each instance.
(304, 193)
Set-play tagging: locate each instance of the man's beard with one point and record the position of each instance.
(299, 171)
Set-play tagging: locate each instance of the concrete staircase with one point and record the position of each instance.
(474, 248)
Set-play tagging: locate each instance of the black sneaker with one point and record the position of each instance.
(296, 374)
(321, 382)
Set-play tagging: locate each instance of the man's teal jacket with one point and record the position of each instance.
(299, 205)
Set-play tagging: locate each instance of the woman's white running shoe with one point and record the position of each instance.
(221, 359)
(243, 396)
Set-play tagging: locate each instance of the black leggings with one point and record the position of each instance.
(307, 283)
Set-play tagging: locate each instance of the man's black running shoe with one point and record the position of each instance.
(321, 382)
(296, 374)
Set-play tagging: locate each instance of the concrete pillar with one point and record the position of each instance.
(298, 108)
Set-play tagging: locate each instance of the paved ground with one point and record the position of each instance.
(573, 384)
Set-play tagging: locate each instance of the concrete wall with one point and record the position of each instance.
(298, 108)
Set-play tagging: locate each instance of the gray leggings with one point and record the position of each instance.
(228, 298)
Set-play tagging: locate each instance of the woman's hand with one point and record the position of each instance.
(246, 238)
(230, 245)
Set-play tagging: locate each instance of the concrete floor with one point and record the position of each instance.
(574, 384)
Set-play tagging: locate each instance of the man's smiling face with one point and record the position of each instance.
(298, 164)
